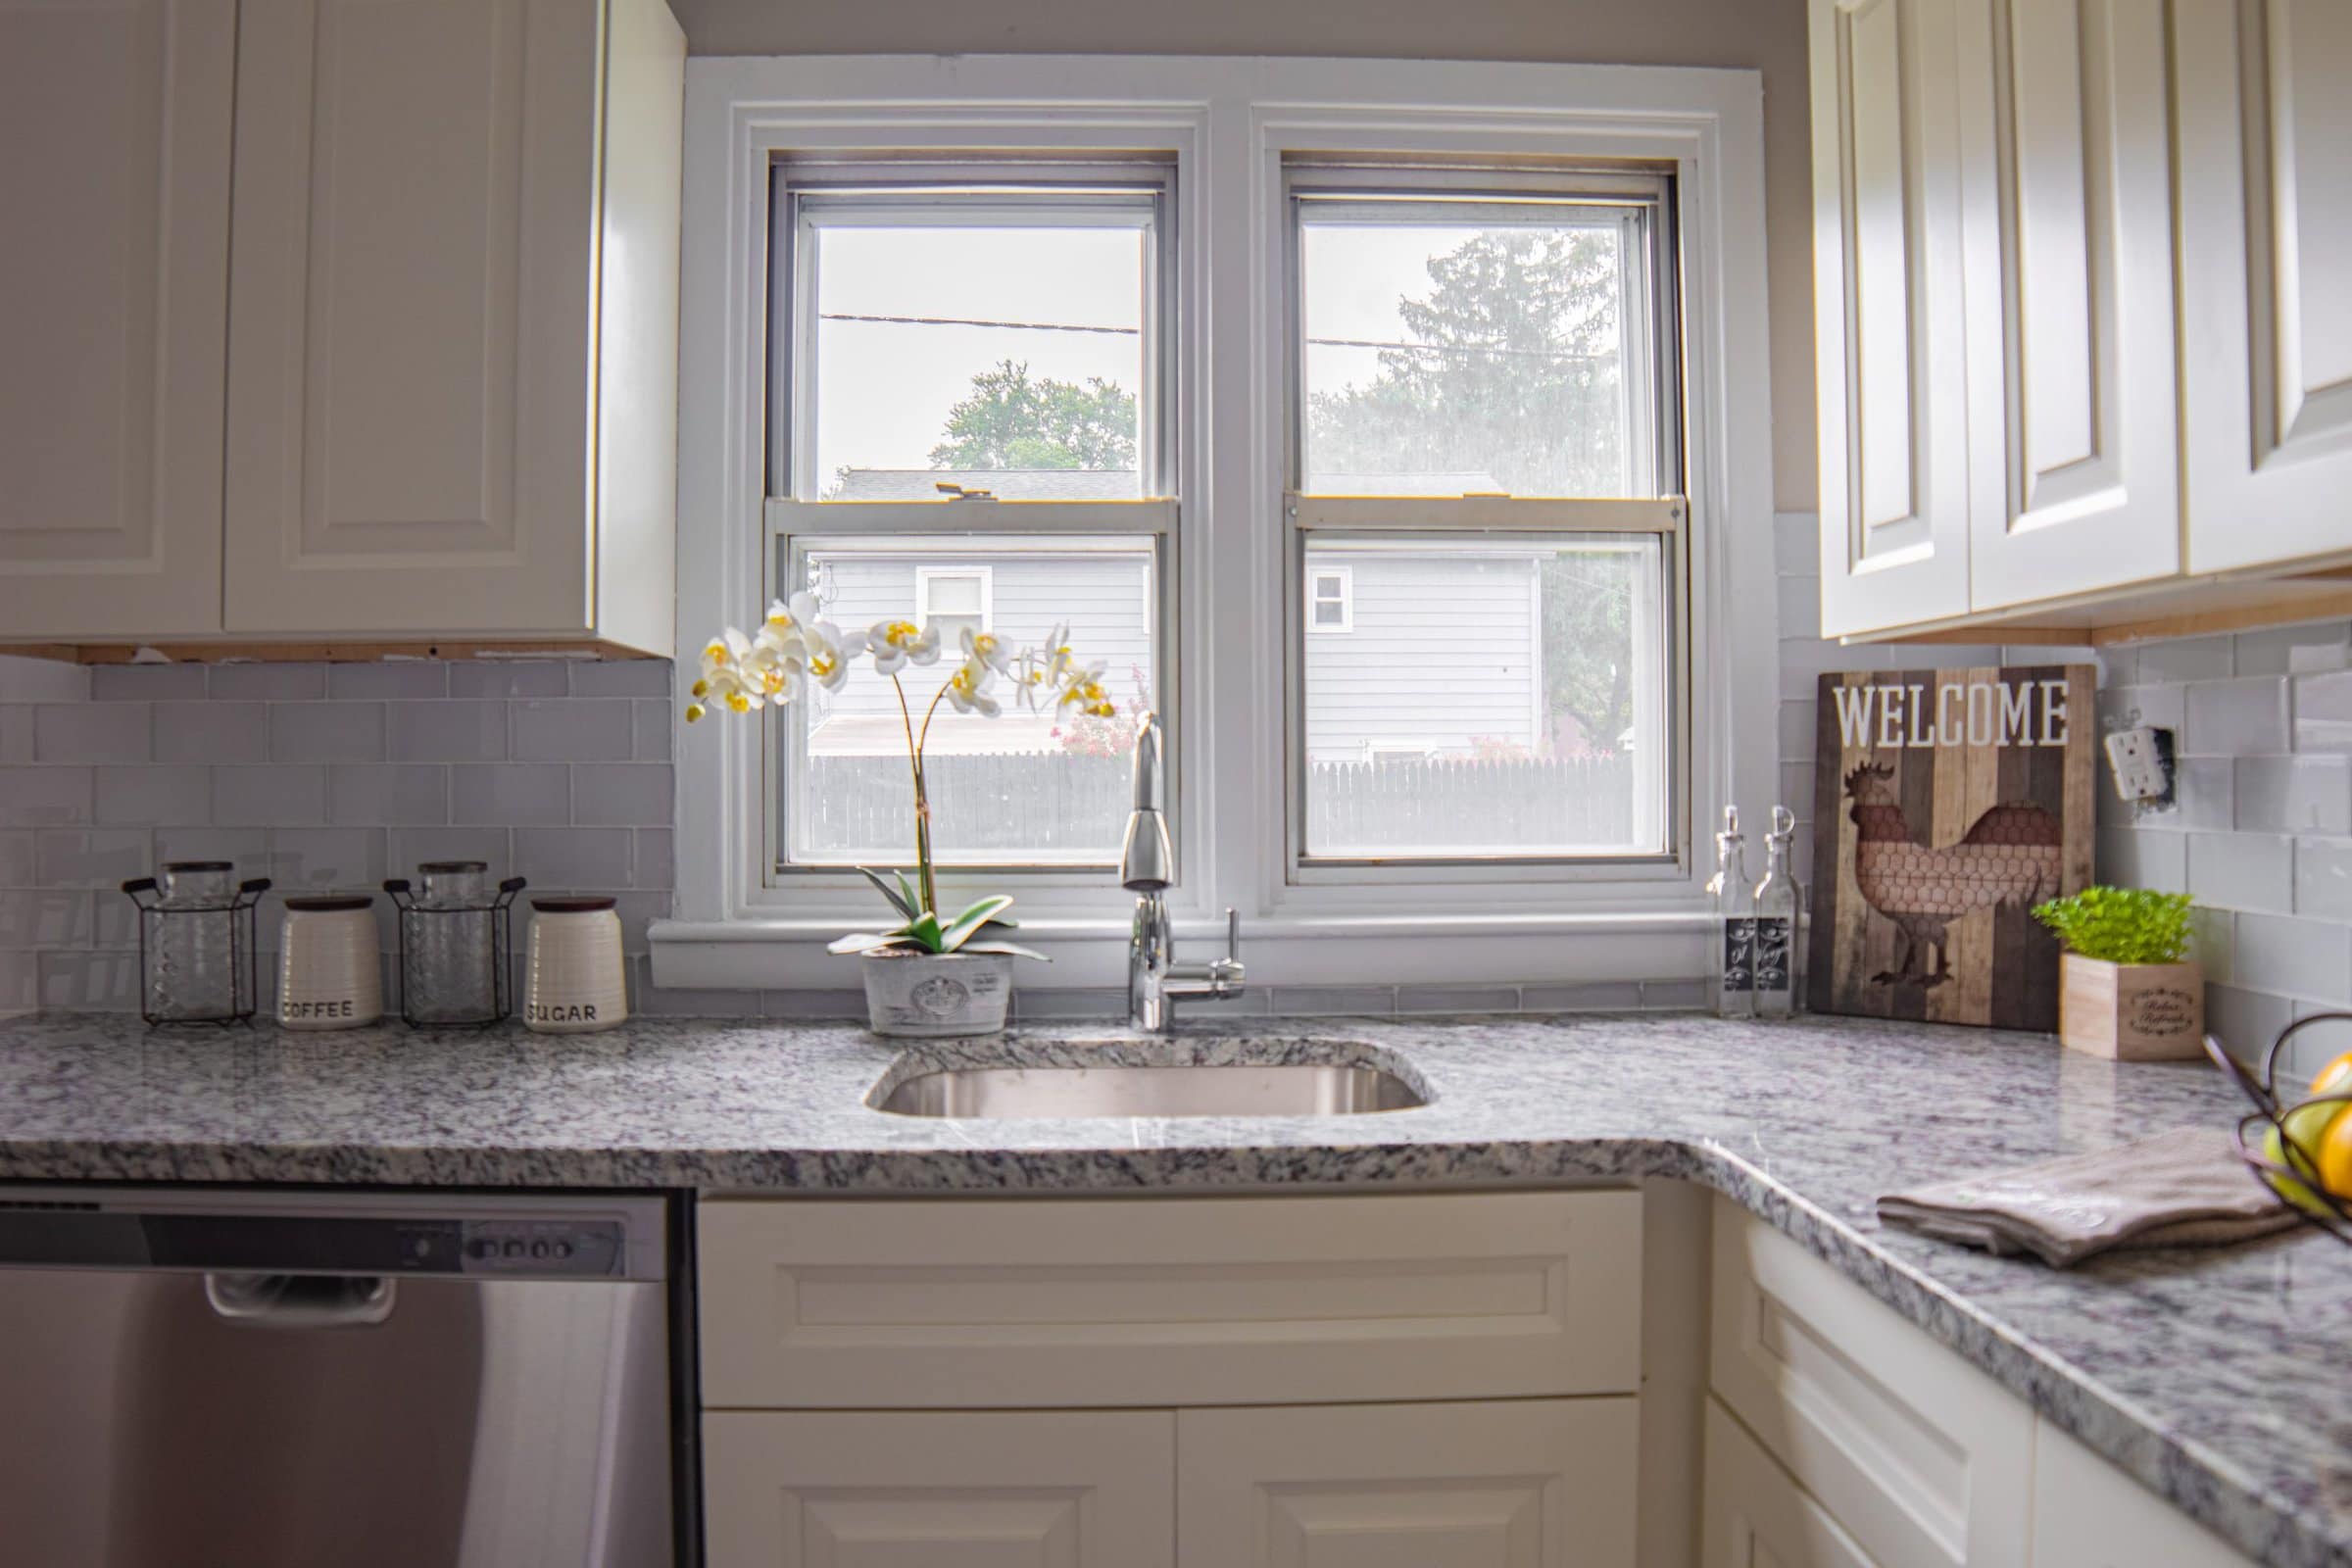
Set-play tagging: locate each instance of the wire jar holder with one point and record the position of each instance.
(456, 953)
(197, 962)
(2278, 1159)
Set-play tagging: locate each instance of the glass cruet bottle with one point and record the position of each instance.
(1735, 922)
(1779, 921)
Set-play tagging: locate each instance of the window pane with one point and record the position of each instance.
(1498, 696)
(1019, 788)
(1460, 347)
(982, 354)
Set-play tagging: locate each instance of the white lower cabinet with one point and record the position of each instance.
(957, 1489)
(2088, 1514)
(1498, 1484)
(1757, 1514)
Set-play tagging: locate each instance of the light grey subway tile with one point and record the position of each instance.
(517, 679)
(272, 795)
(573, 729)
(146, 683)
(656, 724)
(2122, 661)
(2159, 707)
(654, 864)
(621, 677)
(677, 1003)
(93, 857)
(147, 795)
(44, 796)
(2290, 957)
(2294, 650)
(92, 732)
(408, 848)
(809, 1005)
(326, 732)
(2245, 1021)
(510, 794)
(1674, 996)
(2295, 794)
(638, 910)
(211, 732)
(388, 794)
(1335, 1001)
(113, 919)
(2323, 712)
(1581, 995)
(245, 848)
(45, 917)
(91, 982)
(1074, 1001)
(1445, 999)
(16, 732)
(2204, 794)
(43, 680)
(1796, 543)
(586, 859)
(2323, 879)
(622, 795)
(1799, 602)
(20, 980)
(2236, 717)
(2132, 857)
(2242, 871)
(2314, 1048)
(2188, 659)
(467, 730)
(270, 683)
(1797, 733)
(403, 679)
(16, 857)
(322, 859)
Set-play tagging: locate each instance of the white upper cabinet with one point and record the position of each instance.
(115, 123)
(2265, 104)
(2074, 462)
(422, 212)
(1886, 240)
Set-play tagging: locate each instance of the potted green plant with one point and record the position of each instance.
(2126, 987)
(933, 973)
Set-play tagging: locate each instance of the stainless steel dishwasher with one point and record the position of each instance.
(192, 1377)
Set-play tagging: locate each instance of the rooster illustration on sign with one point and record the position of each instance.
(2010, 856)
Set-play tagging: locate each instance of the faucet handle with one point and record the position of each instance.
(1233, 933)
(1226, 973)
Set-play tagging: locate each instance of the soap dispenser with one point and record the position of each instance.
(1734, 930)
(1780, 919)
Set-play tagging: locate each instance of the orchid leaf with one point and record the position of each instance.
(923, 930)
(862, 942)
(897, 895)
(967, 925)
(1009, 948)
(910, 898)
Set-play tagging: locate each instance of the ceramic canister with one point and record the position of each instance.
(328, 976)
(577, 981)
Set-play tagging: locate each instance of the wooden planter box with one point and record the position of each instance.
(2132, 1012)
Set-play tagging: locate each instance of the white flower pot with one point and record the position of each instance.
(933, 995)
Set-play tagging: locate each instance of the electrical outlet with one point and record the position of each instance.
(2141, 761)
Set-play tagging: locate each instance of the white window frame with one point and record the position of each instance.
(985, 577)
(1345, 576)
(1229, 123)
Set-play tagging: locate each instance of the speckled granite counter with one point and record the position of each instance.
(2223, 1379)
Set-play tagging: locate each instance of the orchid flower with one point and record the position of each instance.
(896, 644)
(967, 690)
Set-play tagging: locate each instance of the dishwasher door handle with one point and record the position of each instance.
(301, 1301)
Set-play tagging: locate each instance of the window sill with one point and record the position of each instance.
(1291, 951)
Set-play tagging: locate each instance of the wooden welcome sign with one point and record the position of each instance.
(1946, 804)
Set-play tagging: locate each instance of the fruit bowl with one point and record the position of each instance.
(2276, 1139)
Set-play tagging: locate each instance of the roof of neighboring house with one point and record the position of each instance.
(1021, 484)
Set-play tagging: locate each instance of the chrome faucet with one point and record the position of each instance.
(1155, 981)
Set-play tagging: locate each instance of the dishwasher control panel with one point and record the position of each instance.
(522, 1248)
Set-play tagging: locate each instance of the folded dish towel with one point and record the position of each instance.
(2178, 1188)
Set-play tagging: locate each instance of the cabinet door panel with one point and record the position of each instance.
(2265, 253)
(1029, 1489)
(2088, 1514)
(114, 122)
(409, 395)
(1514, 1483)
(2069, 297)
(1890, 331)
(1757, 1516)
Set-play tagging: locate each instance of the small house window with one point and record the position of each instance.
(953, 599)
(1332, 603)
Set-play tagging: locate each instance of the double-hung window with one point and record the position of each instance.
(1486, 471)
(971, 429)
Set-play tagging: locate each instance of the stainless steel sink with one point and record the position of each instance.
(1316, 1089)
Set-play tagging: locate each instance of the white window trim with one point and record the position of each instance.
(1229, 121)
(925, 576)
(1316, 601)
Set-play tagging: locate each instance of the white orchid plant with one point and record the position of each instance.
(796, 648)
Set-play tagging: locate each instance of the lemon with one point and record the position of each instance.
(2307, 1126)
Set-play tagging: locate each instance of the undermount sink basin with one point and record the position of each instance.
(1289, 1088)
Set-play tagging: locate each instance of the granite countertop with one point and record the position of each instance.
(2218, 1378)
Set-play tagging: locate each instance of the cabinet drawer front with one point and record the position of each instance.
(1172, 1301)
(1083, 1489)
(1757, 1515)
(1920, 1457)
